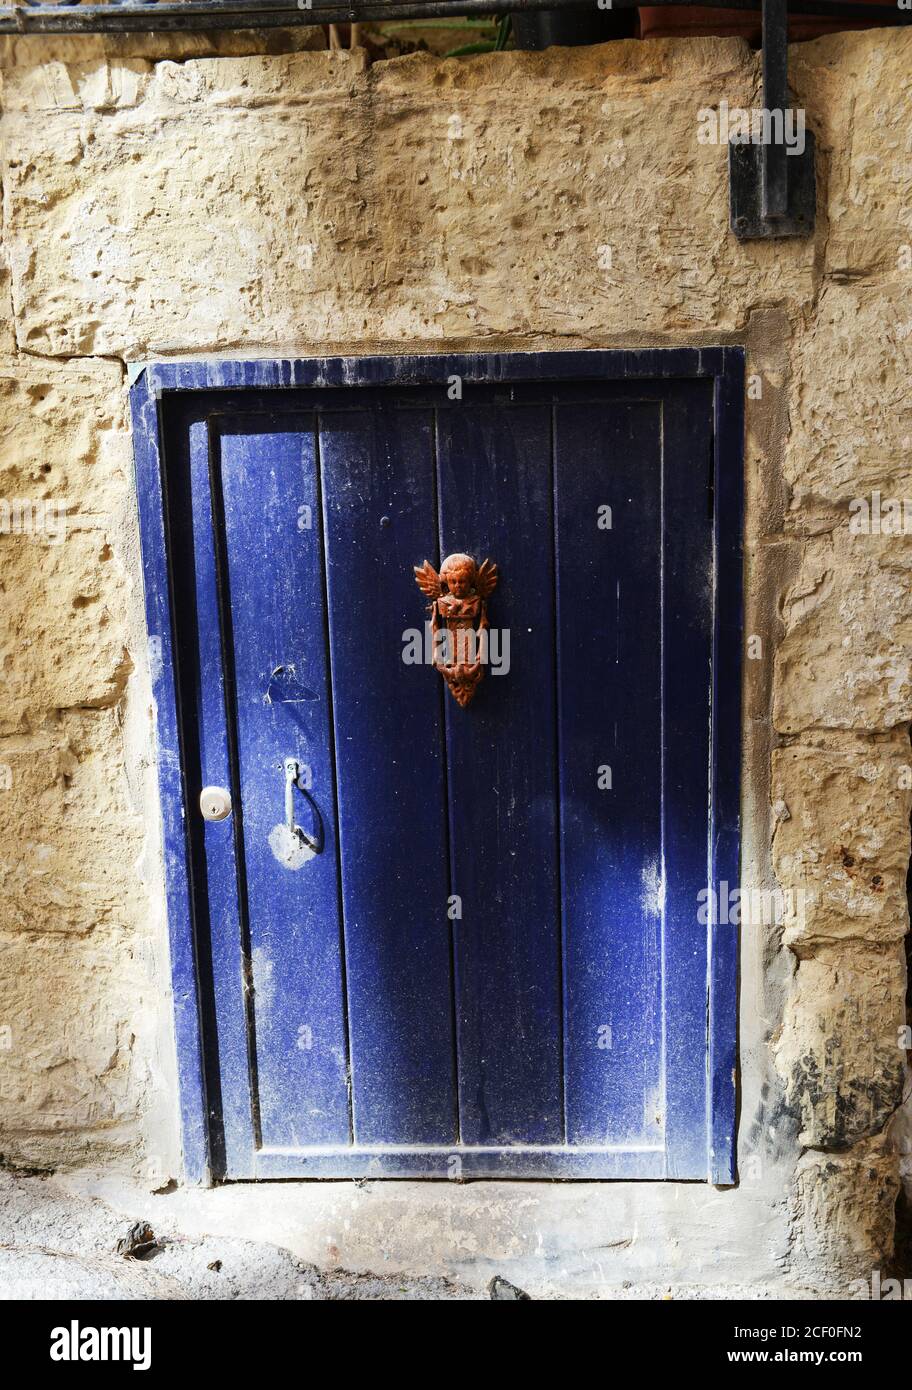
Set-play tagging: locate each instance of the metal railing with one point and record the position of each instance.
(125, 16)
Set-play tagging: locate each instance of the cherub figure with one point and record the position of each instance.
(459, 613)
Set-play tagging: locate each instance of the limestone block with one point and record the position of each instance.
(62, 639)
(841, 1050)
(858, 91)
(71, 1010)
(843, 1214)
(841, 849)
(845, 660)
(222, 205)
(303, 200)
(56, 85)
(63, 427)
(7, 325)
(536, 195)
(65, 474)
(70, 835)
(851, 411)
(31, 51)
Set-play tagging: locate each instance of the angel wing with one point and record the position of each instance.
(486, 578)
(428, 580)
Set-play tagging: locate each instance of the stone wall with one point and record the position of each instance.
(160, 204)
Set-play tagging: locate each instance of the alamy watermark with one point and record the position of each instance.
(880, 516)
(737, 125)
(750, 906)
(487, 646)
(880, 1290)
(33, 516)
(76, 1342)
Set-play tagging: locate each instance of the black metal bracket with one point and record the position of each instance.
(772, 183)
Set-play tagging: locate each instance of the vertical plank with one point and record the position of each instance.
(207, 698)
(494, 465)
(378, 471)
(687, 644)
(726, 759)
(149, 447)
(267, 471)
(610, 737)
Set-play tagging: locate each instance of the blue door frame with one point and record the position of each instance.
(163, 389)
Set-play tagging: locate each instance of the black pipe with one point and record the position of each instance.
(268, 14)
(774, 196)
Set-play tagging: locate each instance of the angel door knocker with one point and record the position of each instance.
(459, 619)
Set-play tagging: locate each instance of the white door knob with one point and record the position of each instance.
(215, 803)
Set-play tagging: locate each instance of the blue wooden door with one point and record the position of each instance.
(481, 953)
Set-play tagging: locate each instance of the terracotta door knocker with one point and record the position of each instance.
(459, 619)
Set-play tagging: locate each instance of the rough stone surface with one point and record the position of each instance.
(841, 1047)
(231, 194)
(841, 844)
(861, 87)
(64, 443)
(417, 199)
(850, 416)
(845, 661)
(54, 1245)
(843, 1211)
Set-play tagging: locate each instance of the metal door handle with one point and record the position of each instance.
(293, 778)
